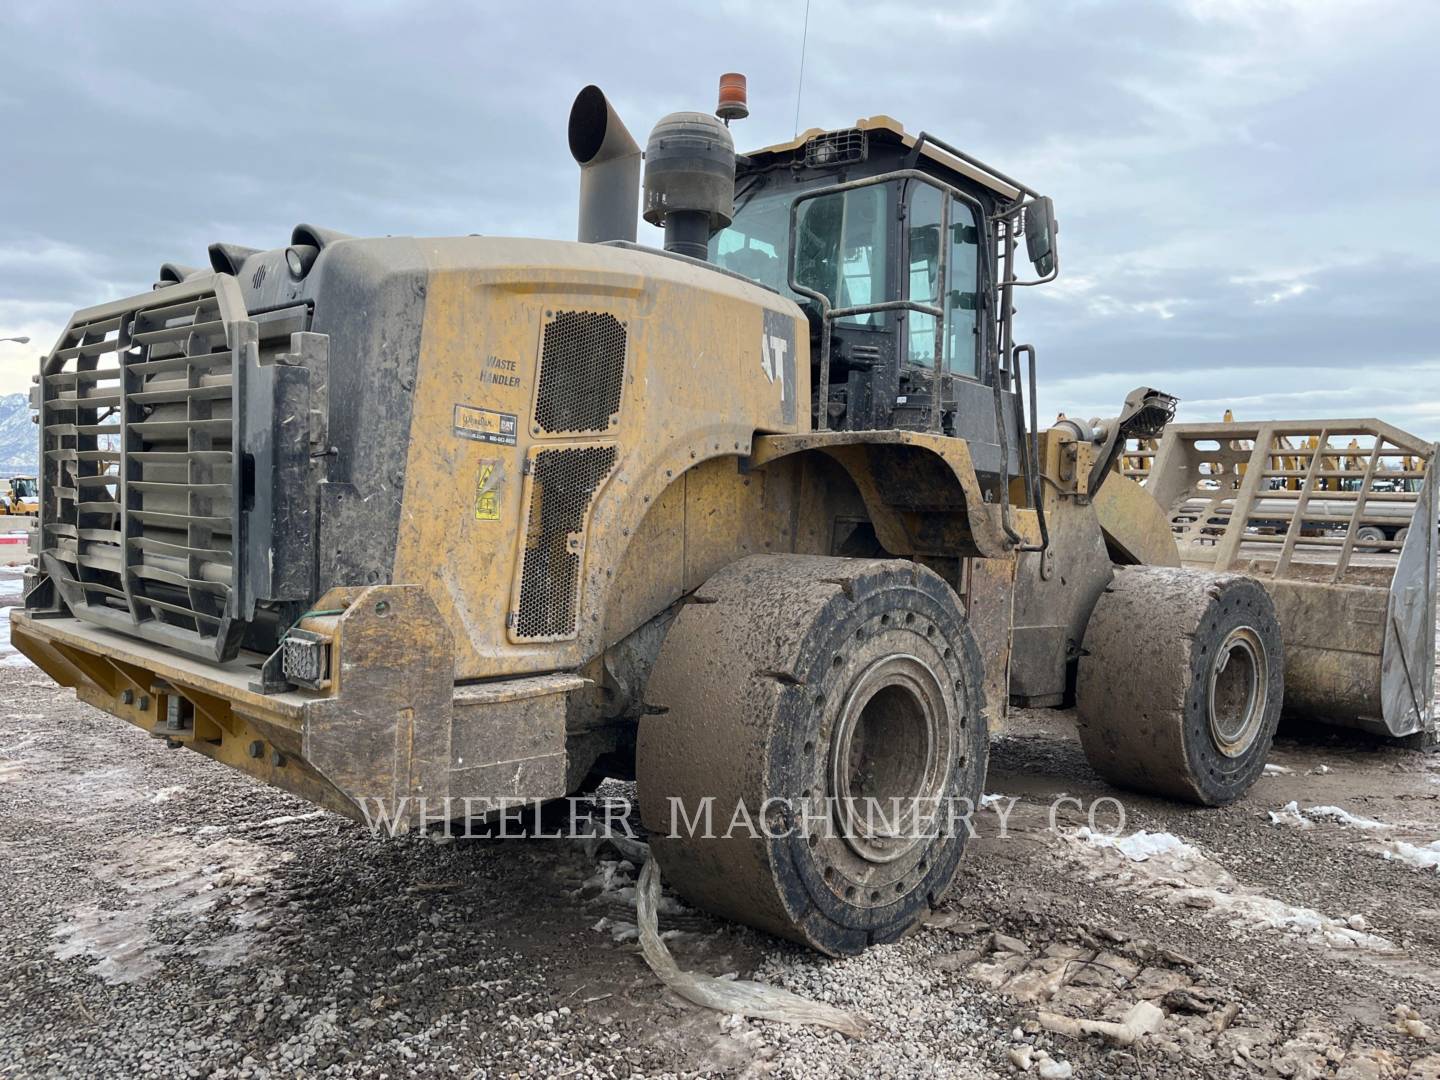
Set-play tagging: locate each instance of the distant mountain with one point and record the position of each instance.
(18, 437)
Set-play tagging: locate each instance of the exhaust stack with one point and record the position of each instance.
(609, 161)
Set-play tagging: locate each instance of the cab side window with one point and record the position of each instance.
(840, 249)
(957, 295)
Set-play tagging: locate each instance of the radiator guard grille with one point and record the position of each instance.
(561, 489)
(139, 440)
(582, 373)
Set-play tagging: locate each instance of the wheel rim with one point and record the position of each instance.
(889, 743)
(1237, 691)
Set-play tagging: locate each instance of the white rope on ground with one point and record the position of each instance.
(727, 995)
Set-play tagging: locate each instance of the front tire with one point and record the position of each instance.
(1181, 683)
(800, 693)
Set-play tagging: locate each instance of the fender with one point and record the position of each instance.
(920, 490)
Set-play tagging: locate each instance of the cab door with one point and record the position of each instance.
(959, 290)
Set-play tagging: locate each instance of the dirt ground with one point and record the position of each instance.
(165, 916)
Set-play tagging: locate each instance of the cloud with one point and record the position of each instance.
(1245, 187)
(1288, 291)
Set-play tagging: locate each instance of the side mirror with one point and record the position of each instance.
(1040, 230)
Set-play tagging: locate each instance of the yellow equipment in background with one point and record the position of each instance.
(19, 496)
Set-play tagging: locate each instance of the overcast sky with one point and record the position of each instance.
(1246, 190)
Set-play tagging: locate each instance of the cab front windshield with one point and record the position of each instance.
(24, 487)
(840, 242)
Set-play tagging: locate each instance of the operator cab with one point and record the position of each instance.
(903, 246)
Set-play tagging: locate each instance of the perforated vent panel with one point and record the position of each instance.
(582, 372)
(563, 483)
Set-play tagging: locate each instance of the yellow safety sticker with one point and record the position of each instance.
(487, 498)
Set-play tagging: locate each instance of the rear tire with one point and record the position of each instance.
(1181, 683)
(787, 685)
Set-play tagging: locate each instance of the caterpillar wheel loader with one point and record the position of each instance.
(426, 527)
(19, 496)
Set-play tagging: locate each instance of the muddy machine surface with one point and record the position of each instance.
(425, 527)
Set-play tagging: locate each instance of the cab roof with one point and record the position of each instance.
(888, 129)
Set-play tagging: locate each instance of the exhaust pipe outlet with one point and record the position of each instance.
(174, 273)
(229, 258)
(316, 237)
(690, 180)
(609, 161)
(306, 244)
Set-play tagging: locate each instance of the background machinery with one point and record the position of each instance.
(424, 527)
(19, 496)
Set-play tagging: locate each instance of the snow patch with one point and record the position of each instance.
(1139, 846)
(1290, 815)
(1163, 866)
(619, 930)
(9, 655)
(169, 879)
(1250, 911)
(1420, 856)
(1344, 817)
(614, 882)
(613, 879)
(262, 823)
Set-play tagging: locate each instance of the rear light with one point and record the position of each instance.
(305, 659)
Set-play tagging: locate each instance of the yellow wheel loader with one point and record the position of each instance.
(19, 496)
(426, 527)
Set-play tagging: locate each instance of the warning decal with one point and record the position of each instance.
(487, 498)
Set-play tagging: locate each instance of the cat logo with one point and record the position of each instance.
(777, 359)
(772, 359)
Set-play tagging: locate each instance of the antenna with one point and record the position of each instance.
(800, 84)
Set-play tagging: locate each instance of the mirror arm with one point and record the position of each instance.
(1013, 212)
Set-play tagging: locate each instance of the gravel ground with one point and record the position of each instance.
(166, 916)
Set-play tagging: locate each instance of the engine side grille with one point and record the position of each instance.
(138, 466)
(582, 372)
(563, 483)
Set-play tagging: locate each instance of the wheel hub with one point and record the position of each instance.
(1237, 691)
(890, 756)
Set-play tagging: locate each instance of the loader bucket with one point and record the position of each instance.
(1337, 519)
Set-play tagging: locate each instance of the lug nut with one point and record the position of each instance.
(255, 749)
